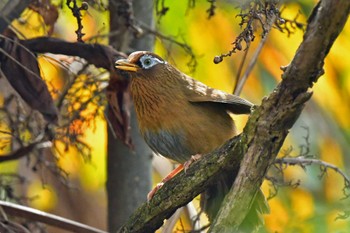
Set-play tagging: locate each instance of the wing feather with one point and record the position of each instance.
(197, 92)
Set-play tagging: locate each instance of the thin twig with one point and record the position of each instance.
(77, 14)
(302, 161)
(23, 151)
(40, 216)
(241, 81)
(239, 72)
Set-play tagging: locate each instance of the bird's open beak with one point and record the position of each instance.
(124, 64)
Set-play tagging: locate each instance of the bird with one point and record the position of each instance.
(181, 118)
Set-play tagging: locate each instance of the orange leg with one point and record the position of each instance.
(168, 177)
(181, 167)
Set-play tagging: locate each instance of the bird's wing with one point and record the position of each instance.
(198, 92)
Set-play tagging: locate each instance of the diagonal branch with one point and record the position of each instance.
(40, 216)
(17, 154)
(268, 125)
(184, 187)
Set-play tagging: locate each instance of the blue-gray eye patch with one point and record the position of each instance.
(148, 61)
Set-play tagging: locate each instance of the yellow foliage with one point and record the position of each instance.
(329, 97)
(93, 175)
(331, 152)
(272, 60)
(51, 74)
(302, 204)
(46, 198)
(278, 218)
(334, 183)
(69, 160)
(335, 224)
(30, 25)
(294, 173)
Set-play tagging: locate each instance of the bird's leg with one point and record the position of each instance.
(181, 167)
(193, 159)
(168, 177)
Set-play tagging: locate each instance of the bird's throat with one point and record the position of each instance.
(155, 104)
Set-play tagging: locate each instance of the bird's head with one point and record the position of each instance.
(140, 62)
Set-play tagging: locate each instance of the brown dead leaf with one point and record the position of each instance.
(48, 11)
(21, 69)
(119, 103)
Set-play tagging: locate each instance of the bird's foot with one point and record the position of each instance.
(193, 159)
(154, 190)
(168, 177)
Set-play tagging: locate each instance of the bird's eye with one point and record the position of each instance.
(148, 61)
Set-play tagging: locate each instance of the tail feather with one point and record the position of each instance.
(212, 198)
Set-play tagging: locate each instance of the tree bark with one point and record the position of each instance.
(256, 148)
(269, 124)
(128, 172)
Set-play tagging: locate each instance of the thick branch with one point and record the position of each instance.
(262, 137)
(184, 187)
(269, 124)
(99, 55)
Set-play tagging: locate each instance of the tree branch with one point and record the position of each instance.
(99, 55)
(40, 216)
(268, 125)
(261, 139)
(184, 187)
(17, 154)
(303, 162)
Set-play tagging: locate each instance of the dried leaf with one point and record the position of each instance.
(21, 69)
(48, 11)
(119, 101)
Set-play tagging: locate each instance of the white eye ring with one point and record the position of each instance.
(148, 61)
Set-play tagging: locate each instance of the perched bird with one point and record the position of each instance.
(180, 117)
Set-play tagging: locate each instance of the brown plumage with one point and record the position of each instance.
(179, 116)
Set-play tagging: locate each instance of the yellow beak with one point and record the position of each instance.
(125, 65)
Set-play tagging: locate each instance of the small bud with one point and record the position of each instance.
(84, 6)
(217, 59)
(239, 46)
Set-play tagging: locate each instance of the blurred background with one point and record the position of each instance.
(305, 199)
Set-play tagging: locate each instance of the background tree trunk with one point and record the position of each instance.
(128, 172)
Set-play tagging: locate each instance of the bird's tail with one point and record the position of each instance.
(212, 198)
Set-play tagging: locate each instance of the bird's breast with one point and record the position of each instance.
(169, 144)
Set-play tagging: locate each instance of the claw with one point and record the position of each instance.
(159, 185)
(185, 166)
(154, 190)
(193, 159)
